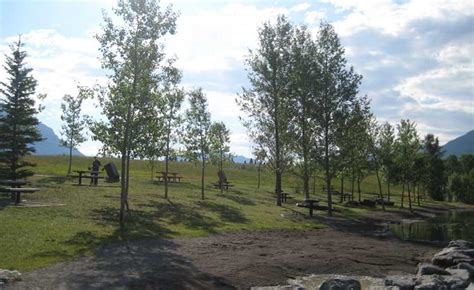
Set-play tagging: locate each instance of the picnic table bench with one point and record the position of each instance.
(310, 204)
(87, 174)
(222, 182)
(171, 177)
(284, 196)
(15, 188)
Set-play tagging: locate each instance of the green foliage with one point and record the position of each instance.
(266, 102)
(74, 122)
(462, 186)
(133, 54)
(435, 178)
(196, 137)
(18, 122)
(219, 136)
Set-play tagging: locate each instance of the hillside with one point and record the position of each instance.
(50, 146)
(461, 145)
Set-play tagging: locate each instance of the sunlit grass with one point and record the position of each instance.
(35, 237)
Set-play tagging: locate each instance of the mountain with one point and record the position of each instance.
(51, 146)
(241, 159)
(461, 145)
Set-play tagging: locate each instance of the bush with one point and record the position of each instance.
(462, 187)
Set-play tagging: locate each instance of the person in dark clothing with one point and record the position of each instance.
(95, 169)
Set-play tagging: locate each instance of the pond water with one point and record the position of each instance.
(443, 228)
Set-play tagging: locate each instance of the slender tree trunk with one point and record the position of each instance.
(358, 187)
(388, 189)
(152, 162)
(326, 165)
(258, 183)
(314, 183)
(123, 181)
(220, 168)
(418, 194)
(202, 174)
(403, 193)
(167, 157)
(380, 186)
(352, 184)
(70, 158)
(409, 196)
(128, 181)
(342, 188)
(278, 187)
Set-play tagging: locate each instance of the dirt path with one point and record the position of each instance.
(237, 260)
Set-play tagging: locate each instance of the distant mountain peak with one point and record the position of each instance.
(51, 145)
(461, 145)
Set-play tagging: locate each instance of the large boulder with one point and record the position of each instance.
(452, 256)
(461, 244)
(430, 269)
(340, 284)
(468, 267)
(403, 282)
(7, 276)
(435, 282)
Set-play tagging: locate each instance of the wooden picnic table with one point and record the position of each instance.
(171, 176)
(309, 203)
(15, 189)
(90, 175)
(225, 185)
(284, 196)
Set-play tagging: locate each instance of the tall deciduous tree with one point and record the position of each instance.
(304, 70)
(387, 154)
(172, 99)
(74, 122)
(133, 55)
(219, 137)
(407, 146)
(18, 122)
(336, 93)
(435, 177)
(196, 136)
(267, 100)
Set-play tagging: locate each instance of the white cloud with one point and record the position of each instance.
(300, 7)
(213, 40)
(314, 16)
(391, 18)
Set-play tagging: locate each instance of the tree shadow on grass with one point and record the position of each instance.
(186, 215)
(51, 181)
(226, 213)
(237, 198)
(125, 264)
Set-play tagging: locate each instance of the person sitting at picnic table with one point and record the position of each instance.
(95, 171)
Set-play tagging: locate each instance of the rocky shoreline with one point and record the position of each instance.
(451, 268)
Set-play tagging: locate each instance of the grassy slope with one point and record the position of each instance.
(35, 237)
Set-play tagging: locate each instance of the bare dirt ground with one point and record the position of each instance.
(240, 259)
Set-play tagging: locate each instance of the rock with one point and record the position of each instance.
(452, 256)
(461, 244)
(468, 267)
(462, 274)
(340, 284)
(435, 282)
(431, 282)
(7, 276)
(430, 269)
(403, 282)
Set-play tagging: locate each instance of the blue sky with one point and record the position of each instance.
(416, 56)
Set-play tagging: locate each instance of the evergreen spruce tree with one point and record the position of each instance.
(18, 123)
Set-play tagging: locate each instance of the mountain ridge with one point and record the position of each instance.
(463, 144)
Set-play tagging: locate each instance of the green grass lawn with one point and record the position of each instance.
(35, 237)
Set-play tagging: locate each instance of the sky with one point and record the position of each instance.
(416, 56)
